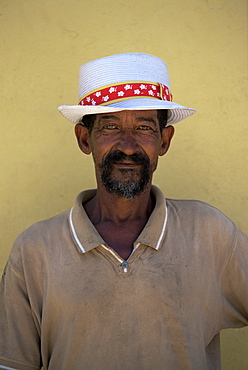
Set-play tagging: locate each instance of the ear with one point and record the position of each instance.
(83, 138)
(167, 135)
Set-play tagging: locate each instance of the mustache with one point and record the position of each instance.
(117, 156)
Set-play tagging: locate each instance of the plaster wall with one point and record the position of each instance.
(42, 45)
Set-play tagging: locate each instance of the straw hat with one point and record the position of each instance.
(130, 81)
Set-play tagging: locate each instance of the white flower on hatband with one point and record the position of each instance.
(105, 98)
(111, 90)
(88, 99)
(121, 93)
(93, 102)
(127, 87)
(153, 87)
(150, 92)
(98, 93)
(137, 92)
(142, 87)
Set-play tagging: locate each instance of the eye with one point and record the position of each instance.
(110, 127)
(144, 128)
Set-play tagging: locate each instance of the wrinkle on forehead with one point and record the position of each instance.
(138, 116)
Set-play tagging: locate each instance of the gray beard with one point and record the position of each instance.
(125, 189)
(130, 188)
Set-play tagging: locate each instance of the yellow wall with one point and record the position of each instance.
(43, 43)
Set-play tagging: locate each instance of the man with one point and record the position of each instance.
(125, 279)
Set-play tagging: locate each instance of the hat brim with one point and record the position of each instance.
(74, 113)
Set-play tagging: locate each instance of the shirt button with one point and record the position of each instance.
(124, 264)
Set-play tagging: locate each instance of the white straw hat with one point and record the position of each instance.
(130, 81)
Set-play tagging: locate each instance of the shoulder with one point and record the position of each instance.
(44, 228)
(206, 229)
(202, 219)
(189, 208)
(41, 236)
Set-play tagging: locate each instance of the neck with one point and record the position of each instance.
(106, 206)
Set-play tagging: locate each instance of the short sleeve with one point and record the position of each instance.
(19, 339)
(235, 284)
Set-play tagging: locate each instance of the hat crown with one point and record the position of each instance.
(129, 81)
(127, 67)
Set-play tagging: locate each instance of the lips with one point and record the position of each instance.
(127, 164)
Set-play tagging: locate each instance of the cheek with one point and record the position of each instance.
(98, 156)
(151, 143)
(95, 156)
(152, 150)
(154, 155)
(154, 164)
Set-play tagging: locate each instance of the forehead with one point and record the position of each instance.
(129, 115)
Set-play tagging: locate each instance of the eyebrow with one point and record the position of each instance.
(138, 119)
(146, 119)
(109, 117)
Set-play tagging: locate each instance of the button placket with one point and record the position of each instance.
(125, 266)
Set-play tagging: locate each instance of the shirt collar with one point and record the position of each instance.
(86, 236)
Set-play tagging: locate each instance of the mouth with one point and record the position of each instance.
(127, 164)
(119, 161)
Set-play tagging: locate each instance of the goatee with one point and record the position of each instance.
(130, 187)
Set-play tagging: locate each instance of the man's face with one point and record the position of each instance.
(125, 147)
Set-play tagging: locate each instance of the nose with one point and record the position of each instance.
(127, 142)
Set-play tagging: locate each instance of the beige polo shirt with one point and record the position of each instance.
(68, 301)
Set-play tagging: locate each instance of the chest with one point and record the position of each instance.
(120, 238)
(153, 305)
